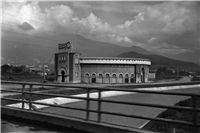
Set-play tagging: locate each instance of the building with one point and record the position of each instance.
(71, 67)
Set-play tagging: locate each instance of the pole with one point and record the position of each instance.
(44, 72)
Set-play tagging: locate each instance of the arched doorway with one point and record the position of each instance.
(120, 79)
(126, 78)
(63, 76)
(100, 78)
(93, 78)
(107, 78)
(87, 78)
(114, 78)
(132, 78)
(142, 75)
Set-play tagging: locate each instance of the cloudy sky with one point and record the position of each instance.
(161, 27)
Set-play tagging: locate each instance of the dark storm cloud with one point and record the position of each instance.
(26, 26)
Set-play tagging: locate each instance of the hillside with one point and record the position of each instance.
(160, 60)
(42, 51)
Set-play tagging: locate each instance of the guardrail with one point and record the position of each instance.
(100, 100)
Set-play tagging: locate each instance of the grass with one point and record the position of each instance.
(176, 115)
(26, 77)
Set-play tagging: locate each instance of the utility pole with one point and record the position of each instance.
(44, 72)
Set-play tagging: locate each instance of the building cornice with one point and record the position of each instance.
(114, 60)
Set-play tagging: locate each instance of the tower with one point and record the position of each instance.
(67, 66)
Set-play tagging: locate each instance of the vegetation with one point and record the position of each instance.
(176, 115)
(22, 73)
(195, 78)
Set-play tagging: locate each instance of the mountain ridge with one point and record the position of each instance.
(33, 51)
(161, 60)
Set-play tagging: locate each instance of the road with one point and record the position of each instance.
(127, 109)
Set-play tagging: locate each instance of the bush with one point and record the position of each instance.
(175, 115)
(195, 78)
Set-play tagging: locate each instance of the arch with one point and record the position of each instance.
(120, 78)
(100, 78)
(107, 78)
(62, 74)
(93, 76)
(132, 78)
(126, 80)
(114, 78)
(86, 77)
(62, 69)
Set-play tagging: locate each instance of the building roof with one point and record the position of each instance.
(113, 60)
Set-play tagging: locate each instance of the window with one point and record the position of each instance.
(120, 76)
(107, 75)
(87, 75)
(93, 78)
(100, 75)
(114, 75)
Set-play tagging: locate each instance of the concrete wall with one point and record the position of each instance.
(67, 122)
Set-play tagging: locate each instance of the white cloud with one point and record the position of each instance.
(150, 23)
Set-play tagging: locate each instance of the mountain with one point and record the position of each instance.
(193, 57)
(21, 49)
(161, 60)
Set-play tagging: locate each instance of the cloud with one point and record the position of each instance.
(149, 24)
(26, 26)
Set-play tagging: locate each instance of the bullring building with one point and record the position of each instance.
(70, 67)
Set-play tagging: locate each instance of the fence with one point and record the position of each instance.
(101, 100)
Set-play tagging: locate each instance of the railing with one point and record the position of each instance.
(101, 100)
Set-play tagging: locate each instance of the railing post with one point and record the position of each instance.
(99, 106)
(195, 113)
(88, 105)
(30, 97)
(23, 95)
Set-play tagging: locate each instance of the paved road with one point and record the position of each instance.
(127, 109)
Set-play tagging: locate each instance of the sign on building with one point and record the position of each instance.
(65, 47)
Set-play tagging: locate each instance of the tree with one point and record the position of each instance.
(5, 68)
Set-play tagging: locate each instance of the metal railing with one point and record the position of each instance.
(101, 100)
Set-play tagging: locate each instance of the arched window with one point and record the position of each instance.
(126, 78)
(87, 78)
(107, 78)
(107, 75)
(120, 79)
(120, 76)
(100, 78)
(87, 75)
(100, 75)
(93, 78)
(114, 78)
(132, 78)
